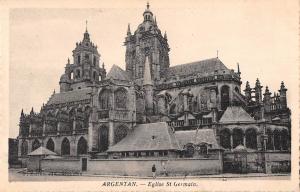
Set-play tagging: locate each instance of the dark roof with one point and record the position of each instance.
(117, 73)
(197, 137)
(41, 151)
(70, 96)
(235, 114)
(147, 137)
(204, 67)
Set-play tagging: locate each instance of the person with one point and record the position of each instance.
(153, 171)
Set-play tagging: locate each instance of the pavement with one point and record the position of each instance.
(16, 175)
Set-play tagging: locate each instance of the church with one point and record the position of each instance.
(153, 110)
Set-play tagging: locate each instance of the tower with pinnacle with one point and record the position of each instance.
(147, 40)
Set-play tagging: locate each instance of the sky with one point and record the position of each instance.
(262, 36)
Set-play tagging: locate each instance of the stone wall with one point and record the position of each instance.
(60, 165)
(136, 167)
(142, 167)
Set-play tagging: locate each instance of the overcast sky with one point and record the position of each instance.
(260, 35)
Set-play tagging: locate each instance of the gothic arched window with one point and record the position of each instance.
(251, 138)
(50, 145)
(94, 75)
(121, 98)
(225, 138)
(103, 138)
(36, 144)
(104, 99)
(224, 97)
(82, 146)
(237, 137)
(65, 147)
(24, 148)
(78, 59)
(120, 133)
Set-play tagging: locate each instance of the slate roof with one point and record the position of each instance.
(41, 151)
(70, 96)
(117, 73)
(235, 114)
(141, 139)
(202, 68)
(196, 137)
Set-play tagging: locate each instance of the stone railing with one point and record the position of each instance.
(81, 131)
(36, 133)
(103, 114)
(66, 132)
(118, 114)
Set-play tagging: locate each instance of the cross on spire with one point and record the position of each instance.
(148, 5)
(86, 23)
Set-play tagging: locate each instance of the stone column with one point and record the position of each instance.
(244, 140)
(231, 141)
(30, 129)
(90, 136)
(273, 144)
(111, 134)
(74, 126)
(44, 127)
(58, 128)
(258, 140)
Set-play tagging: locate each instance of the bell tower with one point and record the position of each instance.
(85, 69)
(146, 41)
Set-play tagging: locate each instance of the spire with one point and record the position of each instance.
(247, 85)
(68, 60)
(86, 36)
(148, 15)
(267, 90)
(22, 113)
(147, 73)
(103, 66)
(128, 30)
(53, 91)
(86, 23)
(257, 84)
(165, 35)
(31, 112)
(282, 87)
(238, 69)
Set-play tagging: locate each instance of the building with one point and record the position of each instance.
(152, 109)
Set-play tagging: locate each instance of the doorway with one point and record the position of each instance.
(84, 164)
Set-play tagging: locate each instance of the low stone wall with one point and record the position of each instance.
(60, 165)
(142, 167)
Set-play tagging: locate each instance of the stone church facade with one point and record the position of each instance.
(95, 111)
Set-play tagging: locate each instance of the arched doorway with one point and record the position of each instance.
(120, 133)
(50, 145)
(24, 148)
(65, 147)
(237, 137)
(103, 138)
(36, 144)
(225, 100)
(82, 146)
(225, 138)
(251, 138)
